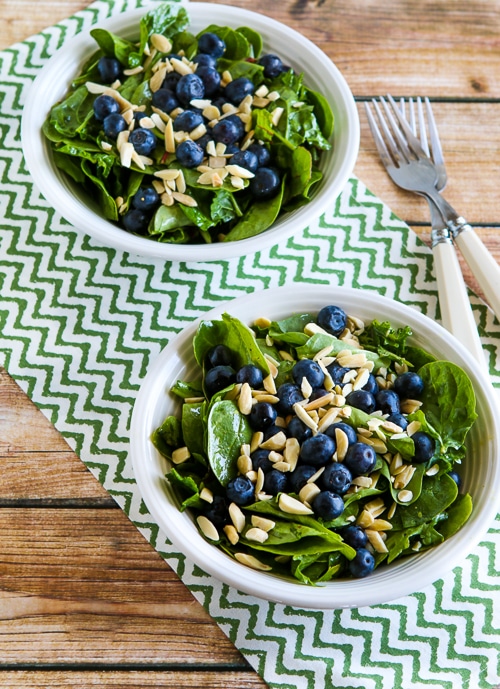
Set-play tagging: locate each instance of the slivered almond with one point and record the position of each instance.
(157, 79)
(184, 199)
(257, 535)
(251, 561)
(206, 494)
(239, 171)
(207, 528)
(291, 452)
(275, 442)
(244, 464)
(304, 417)
(262, 522)
(161, 43)
(180, 455)
(180, 67)
(319, 402)
(256, 440)
(376, 541)
(169, 137)
(126, 151)
(308, 492)
(232, 535)
(245, 399)
(292, 506)
(237, 517)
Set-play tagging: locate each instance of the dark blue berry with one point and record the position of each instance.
(327, 505)
(143, 140)
(189, 153)
(203, 141)
(245, 159)
(288, 394)
(333, 319)
(165, 99)
(409, 385)
(351, 434)
(399, 420)
(250, 374)
(354, 536)
(317, 393)
(260, 460)
(228, 130)
(187, 120)
(360, 458)
(211, 44)
(310, 370)
(114, 124)
(424, 447)
(361, 399)
(371, 384)
(240, 490)
(273, 66)
(337, 373)
(210, 78)
(262, 415)
(135, 220)
(387, 401)
(262, 153)
(275, 482)
(238, 89)
(266, 183)
(456, 477)
(336, 478)
(109, 69)
(104, 106)
(170, 82)
(318, 449)
(298, 429)
(189, 87)
(218, 378)
(300, 476)
(273, 430)
(217, 511)
(204, 60)
(146, 199)
(362, 564)
(219, 355)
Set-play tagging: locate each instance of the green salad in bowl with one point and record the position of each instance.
(189, 136)
(319, 446)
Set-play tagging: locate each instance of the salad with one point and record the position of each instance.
(318, 446)
(187, 138)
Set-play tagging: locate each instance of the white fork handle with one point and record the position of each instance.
(456, 311)
(482, 264)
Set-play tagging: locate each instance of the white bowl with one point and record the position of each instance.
(76, 207)
(480, 473)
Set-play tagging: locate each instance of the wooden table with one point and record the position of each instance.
(84, 600)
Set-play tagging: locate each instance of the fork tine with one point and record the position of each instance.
(394, 133)
(377, 137)
(437, 152)
(423, 135)
(411, 139)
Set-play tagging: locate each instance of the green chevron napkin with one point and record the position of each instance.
(80, 325)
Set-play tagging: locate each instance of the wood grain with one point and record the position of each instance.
(84, 600)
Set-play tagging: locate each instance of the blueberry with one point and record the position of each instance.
(138, 116)
(146, 199)
(135, 220)
(165, 100)
(362, 564)
(245, 159)
(211, 44)
(170, 82)
(270, 431)
(260, 460)
(238, 89)
(336, 477)
(262, 415)
(273, 66)
(360, 458)
(399, 420)
(104, 106)
(337, 372)
(424, 447)
(219, 355)
(217, 511)
(387, 401)
(189, 153)
(327, 505)
(109, 69)
(456, 478)
(317, 393)
(266, 183)
(409, 385)
(114, 124)
(310, 370)
(262, 153)
(298, 429)
(250, 374)
(371, 384)
(189, 87)
(275, 482)
(300, 476)
(351, 434)
(218, 378)
(288, 394)
(228, 130)
(240, 490)
(210, 78)
(361, 399)
(354, 536)
(317, 450)
(187, 120)
(203, 141)
(333, 319)
(143, 140)
(204, 60)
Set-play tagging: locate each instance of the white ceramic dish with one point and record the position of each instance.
(68, 200)
(480, 475)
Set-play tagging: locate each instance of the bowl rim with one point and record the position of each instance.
(384, 585)
(47, 177)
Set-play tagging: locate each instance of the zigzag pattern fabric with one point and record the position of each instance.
(79, 326)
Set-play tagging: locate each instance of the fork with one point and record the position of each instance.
(409, 165)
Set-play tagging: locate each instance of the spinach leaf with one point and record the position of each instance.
(458, 513)
(323, 110)
(186, 485)
(436, 495)
(168, 436)
(254, 39)
(193, 426)
(259, 216)
(114, 46)
(227, 431)
(69, 116)
(185, 390)
(237, 46)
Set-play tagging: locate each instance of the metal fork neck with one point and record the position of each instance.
(440, 236)
(458, 226)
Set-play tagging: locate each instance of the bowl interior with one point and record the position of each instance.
(480, 475)
(69, 200)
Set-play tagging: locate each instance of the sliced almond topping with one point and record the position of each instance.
(262, 522)
(376, 541)
(161, 43)
(252, 562)
(291, 452)
(237, 517)
(257, 535)
(231, 533)
(275, 442)
(405, 495)
(180, 455)
(206, 494)
(244, 464)
(245, 399)
(180, 67)
(169, 137)
(207, 528)
(184, 199)
(292, 506)
(308, 492)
